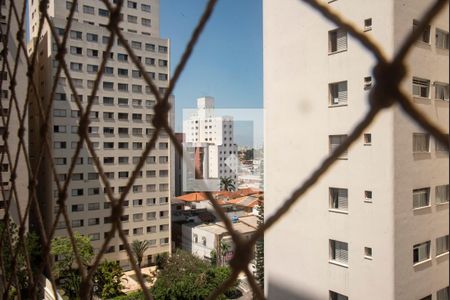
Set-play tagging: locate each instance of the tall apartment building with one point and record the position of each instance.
(376, 225)
(120, 124)
(9, 118)
(213, 138)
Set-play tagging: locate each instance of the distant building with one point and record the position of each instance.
(211, 137)
(202, 239)
(196, 208)
(178, 167)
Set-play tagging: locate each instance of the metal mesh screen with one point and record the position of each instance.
(385, 93)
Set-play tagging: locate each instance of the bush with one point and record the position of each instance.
(139, 295)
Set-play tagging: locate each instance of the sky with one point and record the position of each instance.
(227, 61)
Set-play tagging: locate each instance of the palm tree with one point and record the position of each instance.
(224, 248)
(227, 184)
(139, 248)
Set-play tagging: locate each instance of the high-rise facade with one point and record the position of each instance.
(213, 138)
(376, 225)
(120, 123)
(12, 111)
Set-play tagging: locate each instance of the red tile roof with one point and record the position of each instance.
(225, 197)
(193, 197)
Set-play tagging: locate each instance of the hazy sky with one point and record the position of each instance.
(227, 61)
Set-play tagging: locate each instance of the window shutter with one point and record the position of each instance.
(342, 91)
(341, 40)
(443, 294)
(343, 199)
(341, 252)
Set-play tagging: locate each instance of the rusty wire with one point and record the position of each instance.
(388, 75)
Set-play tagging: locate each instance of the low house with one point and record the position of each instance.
(204, 239)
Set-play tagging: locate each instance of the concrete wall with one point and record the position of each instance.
(412, 171)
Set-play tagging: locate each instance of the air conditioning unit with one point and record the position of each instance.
(335, 100)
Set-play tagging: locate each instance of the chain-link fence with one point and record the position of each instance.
(14, 114)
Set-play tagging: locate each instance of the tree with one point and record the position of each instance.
(161, 260)
(259, 276)
(139, 248)
(188, 277)
(227, 184)
(62, 247)
(108, 280)
(11, 247)
(223, 250)
(213, 256)
(71, 283)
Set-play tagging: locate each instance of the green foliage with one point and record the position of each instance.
(161, 260)
(139, 248)
(227, 184)
(139, 295)
(11, 247)
(259, 276)
(71, 284)
(188, 277)
(213, 255)
(248, 154)
(223, 249)
(107, 280)
(62, 247)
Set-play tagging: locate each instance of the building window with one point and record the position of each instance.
(92, 37)
(337, 40)
(337, 296)
(368, 252)
(421, 197)
(441, 91)
(442, 245)
(339, 252)
(146, 7)
(88, 10)
(368, 24)
(442, 39)
(421, 252)
(338, 199)
(367, 139)
(367, 82)
(132, 4)
(132, 19)
(421, 87)
(425, 37)
(368, 196)
(76, 67)
(442, 194)
(77, 223)
(335, 141)
(443, 294)
(421, 142)
(146, 22)
(76, 35)
(338, 93)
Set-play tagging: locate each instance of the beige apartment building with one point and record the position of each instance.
(9, 118)
(376, 225)
(120, 124)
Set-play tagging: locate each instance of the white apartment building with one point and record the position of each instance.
(9, 122)
(376, 225)
(120, 124)
(215, 136)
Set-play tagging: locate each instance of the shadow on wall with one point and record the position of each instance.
(277, 290)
